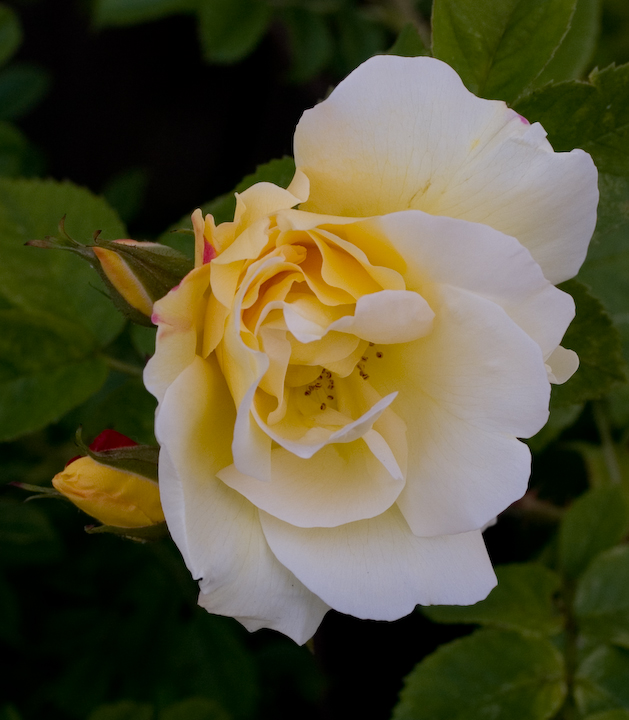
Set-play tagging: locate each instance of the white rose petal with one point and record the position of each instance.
(343, 387)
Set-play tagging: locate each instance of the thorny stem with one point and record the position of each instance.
(123, 367)
(609, 453)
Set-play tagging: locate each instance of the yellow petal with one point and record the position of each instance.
(112, 496)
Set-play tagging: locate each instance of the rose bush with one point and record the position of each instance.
(341, 386)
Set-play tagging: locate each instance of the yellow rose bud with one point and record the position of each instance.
(122, 277)
(113, 497)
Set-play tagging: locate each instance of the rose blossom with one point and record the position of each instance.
(341, 387)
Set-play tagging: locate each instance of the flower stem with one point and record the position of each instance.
(607, 442)
(123, 367)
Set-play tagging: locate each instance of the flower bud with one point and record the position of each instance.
(139, 273)
(136, 273)
(101, 485)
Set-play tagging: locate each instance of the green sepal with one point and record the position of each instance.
(158, 268)
(39, 490)
(137, 459)
(149, 533)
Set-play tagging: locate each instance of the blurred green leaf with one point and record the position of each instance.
(231, 29)
(130, 12)
(143, 339)
(601, 680)
(17, 155)
(499, 47)
(21, 88)
(490, 674)
(561, 417)
(50, 281)
(194, 709)
(10, 33)
(358, 38)
(602, 599)
(596, 341)
(26, 535)
(591, 115)
(310, 43)
(47, 367)
(125, 192)
(408, 43)
(575, 52)
(610, 715)
(596, 462)
(216, 665)
(522, 600)
(593, 523)
(124, 710)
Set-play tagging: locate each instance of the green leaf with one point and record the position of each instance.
(409, 43)
(279, 171)
(601, 680)
(596, 459)
(358, 38)
(21, 88)
(522, 600)
(593, 523)
(499, 47)
(47, 367)
(125, 192)
(49, 281)
(575, 52)
(125, 710)
(194, 709)
(561, 417)
(591, 115)
(10, 33)
(231, 29)
(310, 43)
(602, 602)
(143, 339)
(18, 157)
(26, 535)
(490, 674)
(131, 12)
(610, 715)
(216, 664)
(596, 341)
(606, 269)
